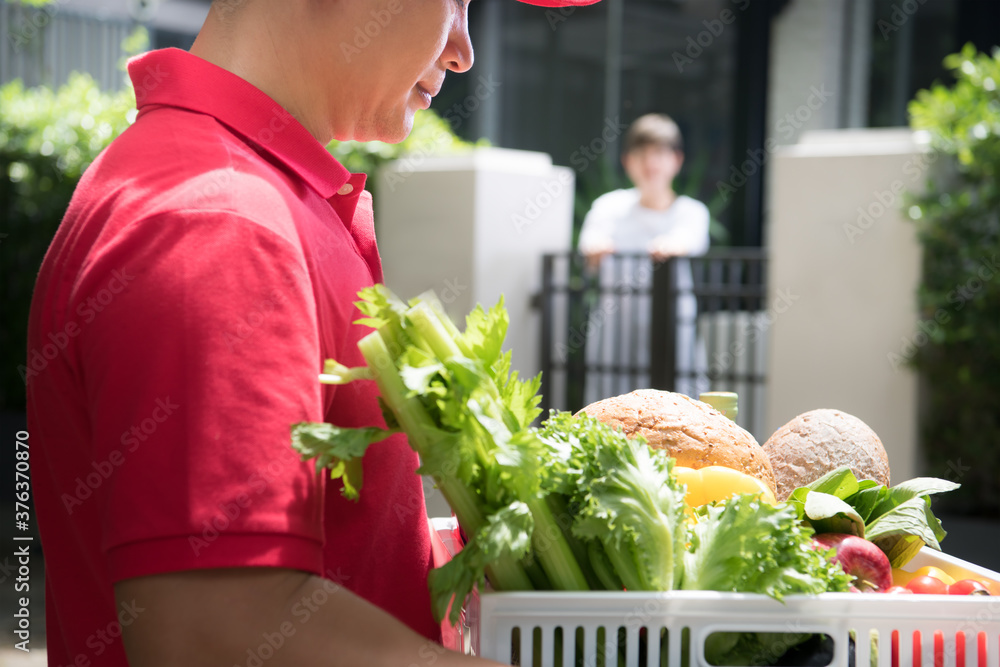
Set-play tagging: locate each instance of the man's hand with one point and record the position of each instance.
(280, 617)
(663, 248)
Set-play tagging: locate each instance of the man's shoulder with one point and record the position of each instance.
(617, 199)
(174, 162)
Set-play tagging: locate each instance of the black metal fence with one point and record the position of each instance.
(689, 324)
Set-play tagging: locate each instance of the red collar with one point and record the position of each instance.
(176, 78)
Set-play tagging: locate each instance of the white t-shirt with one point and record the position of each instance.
(618, 218)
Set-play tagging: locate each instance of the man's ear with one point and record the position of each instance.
(680, 159)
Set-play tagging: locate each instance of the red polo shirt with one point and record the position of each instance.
(206, 266)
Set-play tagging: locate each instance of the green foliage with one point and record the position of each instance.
(31, 3)
(49, 137)
(431, 135)
(958, 220)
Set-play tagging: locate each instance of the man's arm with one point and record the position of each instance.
(595, 241)
(273, 616)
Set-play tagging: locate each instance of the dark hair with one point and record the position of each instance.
(653, 129)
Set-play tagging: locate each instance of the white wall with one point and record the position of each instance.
(474, 227)
(806, 56)
(839, 244)
(820, 67)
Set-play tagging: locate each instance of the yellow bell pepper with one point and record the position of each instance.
(712, 483)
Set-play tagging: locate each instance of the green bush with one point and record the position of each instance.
(49, 137)
(958, 219)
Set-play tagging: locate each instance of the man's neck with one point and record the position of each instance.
(244, 44)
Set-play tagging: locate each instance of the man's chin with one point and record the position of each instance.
(389, 130)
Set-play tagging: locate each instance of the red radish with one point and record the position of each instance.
(861, 558)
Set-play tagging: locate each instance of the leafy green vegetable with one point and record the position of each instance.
(339, 449)
(864, 501)
(627, 499)
(901, 531)
(840, 483)
(917, 487)
(572, 505)
(751, 648)
(827, 513)
(745, 545)
(467, 416)
(505, 534)
(897, 519)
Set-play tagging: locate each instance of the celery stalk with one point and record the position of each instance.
(548, 542)
(506, 573)
(551, 548)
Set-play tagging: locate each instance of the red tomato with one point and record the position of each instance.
(968, 587)
(927, 586)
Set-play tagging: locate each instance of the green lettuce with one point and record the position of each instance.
(570, 505)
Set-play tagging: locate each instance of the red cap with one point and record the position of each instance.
(560, 3)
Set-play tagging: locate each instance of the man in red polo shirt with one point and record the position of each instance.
(206, 266)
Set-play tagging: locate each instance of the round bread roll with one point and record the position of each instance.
(695, 434)
(818, 441)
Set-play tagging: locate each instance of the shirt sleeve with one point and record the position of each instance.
(598, 228)
(199, 350)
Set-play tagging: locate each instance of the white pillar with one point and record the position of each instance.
(845, 265)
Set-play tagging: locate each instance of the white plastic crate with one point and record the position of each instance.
(670, 629)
